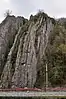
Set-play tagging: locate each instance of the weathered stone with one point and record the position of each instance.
(24, 65)
(28, 50)
(8, 30)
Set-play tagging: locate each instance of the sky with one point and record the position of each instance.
(54, 8)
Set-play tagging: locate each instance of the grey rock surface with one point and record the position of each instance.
(24, 61)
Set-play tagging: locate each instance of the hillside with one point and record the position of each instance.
(26, 46)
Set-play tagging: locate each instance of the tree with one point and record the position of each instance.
(7, 13)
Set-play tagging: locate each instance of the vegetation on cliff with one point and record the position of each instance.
(30, 44)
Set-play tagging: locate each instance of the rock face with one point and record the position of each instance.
(8, 30)
(23, 46)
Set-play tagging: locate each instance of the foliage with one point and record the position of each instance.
(7, 13)
(57, 56)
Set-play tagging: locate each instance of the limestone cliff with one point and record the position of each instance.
(23, 50)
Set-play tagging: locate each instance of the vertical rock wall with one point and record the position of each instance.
(25, 57)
